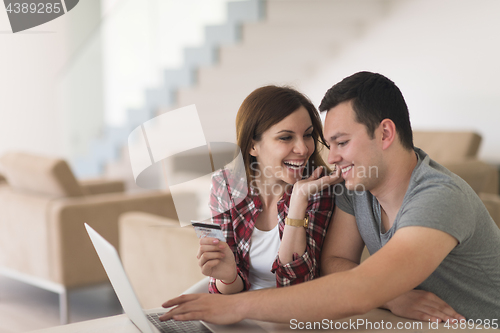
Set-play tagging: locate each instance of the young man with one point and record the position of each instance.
(424, 226)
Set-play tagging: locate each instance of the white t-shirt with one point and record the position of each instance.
(263, 251)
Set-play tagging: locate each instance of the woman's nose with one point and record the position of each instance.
(300, 147)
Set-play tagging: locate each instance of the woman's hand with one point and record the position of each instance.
(294, 238)
(216, 259)
(314, 184)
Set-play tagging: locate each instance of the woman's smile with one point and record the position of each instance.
(284, 149)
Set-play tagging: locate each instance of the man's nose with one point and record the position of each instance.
(333, 156)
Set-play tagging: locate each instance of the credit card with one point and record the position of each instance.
(208, 230)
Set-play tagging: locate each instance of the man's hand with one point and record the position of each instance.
(422, 305)
(216, 309)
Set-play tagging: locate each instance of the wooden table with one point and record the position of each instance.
(374, 321)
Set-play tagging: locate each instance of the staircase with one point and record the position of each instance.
(280, 42)
(108, 154)
(288, 46)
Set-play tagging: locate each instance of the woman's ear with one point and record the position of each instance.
(253, 150)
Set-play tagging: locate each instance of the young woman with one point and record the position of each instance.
(269, 243)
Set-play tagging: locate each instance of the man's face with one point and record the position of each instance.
(352, 149)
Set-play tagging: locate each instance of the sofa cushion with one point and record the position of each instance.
(447, 146)
(481, 176)
(492, 203)
(40, 174)
(102, 186)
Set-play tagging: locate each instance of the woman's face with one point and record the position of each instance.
(284, 149)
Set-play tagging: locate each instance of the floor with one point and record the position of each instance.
(25, 308)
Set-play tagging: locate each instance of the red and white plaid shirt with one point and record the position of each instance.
(237, 212)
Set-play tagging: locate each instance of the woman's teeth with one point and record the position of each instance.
(294, 165)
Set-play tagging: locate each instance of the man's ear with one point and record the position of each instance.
(388, 129)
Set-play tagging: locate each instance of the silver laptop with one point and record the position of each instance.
(149, 323)
(146, 323)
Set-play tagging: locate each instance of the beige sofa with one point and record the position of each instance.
(159, 256)
(42, 211)
(172, 266)
(457, 151)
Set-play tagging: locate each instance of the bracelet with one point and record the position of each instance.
(227, 284)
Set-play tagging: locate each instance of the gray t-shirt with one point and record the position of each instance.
(468, 279)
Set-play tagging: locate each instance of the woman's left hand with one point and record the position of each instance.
(306, 187)
(294, 238)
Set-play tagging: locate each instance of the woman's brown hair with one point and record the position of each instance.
(267, 106)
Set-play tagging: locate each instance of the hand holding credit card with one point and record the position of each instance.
(208, 230)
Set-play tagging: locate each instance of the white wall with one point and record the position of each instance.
(143, 38)
(443, 55)
(31, 66)
(28, 64)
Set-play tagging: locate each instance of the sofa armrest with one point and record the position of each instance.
(24, 237)
(481, 176)
(101, 186)
(74, 259)
(492, 203)
(159, 256)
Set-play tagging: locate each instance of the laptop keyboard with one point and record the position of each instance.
(176, 326)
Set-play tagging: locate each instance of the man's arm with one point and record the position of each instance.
(343, 244)
(341, 252)
(403, 263)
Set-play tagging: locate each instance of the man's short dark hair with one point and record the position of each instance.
(374, 98)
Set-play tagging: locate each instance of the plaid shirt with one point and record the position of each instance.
(236, 211)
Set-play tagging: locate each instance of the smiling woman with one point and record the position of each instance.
(267, 107)
(274, 236)
(283, 151)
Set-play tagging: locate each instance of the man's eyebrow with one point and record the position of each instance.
(288, 131)
(336, 136)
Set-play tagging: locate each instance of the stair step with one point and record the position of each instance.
(266, 67)
(280, 33)
(242, 56)
(221, 82)
(341, 11)
(245, 11)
